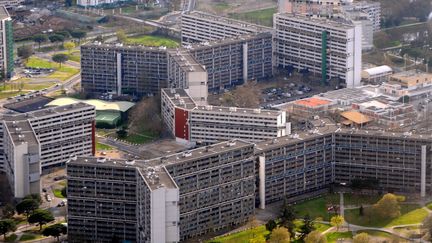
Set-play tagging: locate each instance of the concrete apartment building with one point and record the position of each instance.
(198, 124)
(184, 195)
(141, 70)
(199, 27)
(233, 61)
(122, 69)
(324, 47)
(35, 142)
(95, 3)
(186, 73)
(6, 44)
(371, 9)
(165, 199)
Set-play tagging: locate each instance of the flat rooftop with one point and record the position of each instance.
(28, 105)
(253, 28)
(180, 98)
(117, 46)
(21, 132)
(185, 60)
(338, 23)
(227, 41)
(154, 170)
(312, 102)
(346, 94)
(235, 110)
(3, 12)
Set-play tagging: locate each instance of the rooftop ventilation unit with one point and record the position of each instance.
(231, 143)
(257, 111)
(186, 154)
(130, 162)
(233, 109)
(100, 160)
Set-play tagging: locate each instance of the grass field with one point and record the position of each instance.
(263, 17)
(335, 236)
(377, 233)
(62, 73)
(153, 40)
(139, 139)
(101, 146)
(74, 56)
(11, 238)
(7, 94)
(315, 208)
(410, 214)
(321, 227)
(27, 237)
(241, 237)
(57, 193)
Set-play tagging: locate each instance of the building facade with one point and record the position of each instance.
(6, 44)
(208, 124)
(165, 199)
(199, 27)
(12, 3)
(38, 141)
(121, 69)
(325, 47)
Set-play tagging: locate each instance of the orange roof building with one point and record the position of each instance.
(356, 117)
(313, 102)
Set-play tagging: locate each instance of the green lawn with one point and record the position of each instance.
(429, 205)
(153, 40)
(62, 73)
(11, 238)
(377, 233)
(321, 227)
(101, 146)
(410, 214)
(315, 208)
(7, 94)
(263, 17)
(74, 56)
(241, 237)
(138, 139)
(332, 237)
(57, 193)
(27, 237)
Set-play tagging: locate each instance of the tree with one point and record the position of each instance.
(35, 196)
(122, 132)
(258, 239)
(361, 238)
(41, 217)
(280, 235)
(270, 225)
(27, 206)
(307, 227)
(64, 191)
(78, 34)
(337, 221)
(55, 230)
(25, 52)
(40, 38)
(64, 33)
(56, 38)
(361, 210)
(69, 46)
(315, 237)
(151, 120)
(6, 226)
(8, 211)
(60, 58)
(287, 217)
(121, 36)
(387, 207)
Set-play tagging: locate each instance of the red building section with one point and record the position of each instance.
(181, 124)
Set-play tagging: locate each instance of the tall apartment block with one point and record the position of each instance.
(95, 3)
(121, 69)
(233, 61)
(325, 47)
(162, 200)
(141, 70)
(194, 123)
(34, 142)
(372, 10)
(203, 27)
(186, 73)
(6, 44)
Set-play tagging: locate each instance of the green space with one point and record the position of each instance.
(63, 183)
(241, 237)
(62, 73)
(321, 227)
(333, 237)
(378, 233)
(28, 236)
(7, 94)
(101, 146)
(153, 40)
(139, 138)
(410, 214)
(58, 193)
(11, 238)
(221, 6)
(316, 208)
(429, 205)
(262, 17)
(74, 56)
